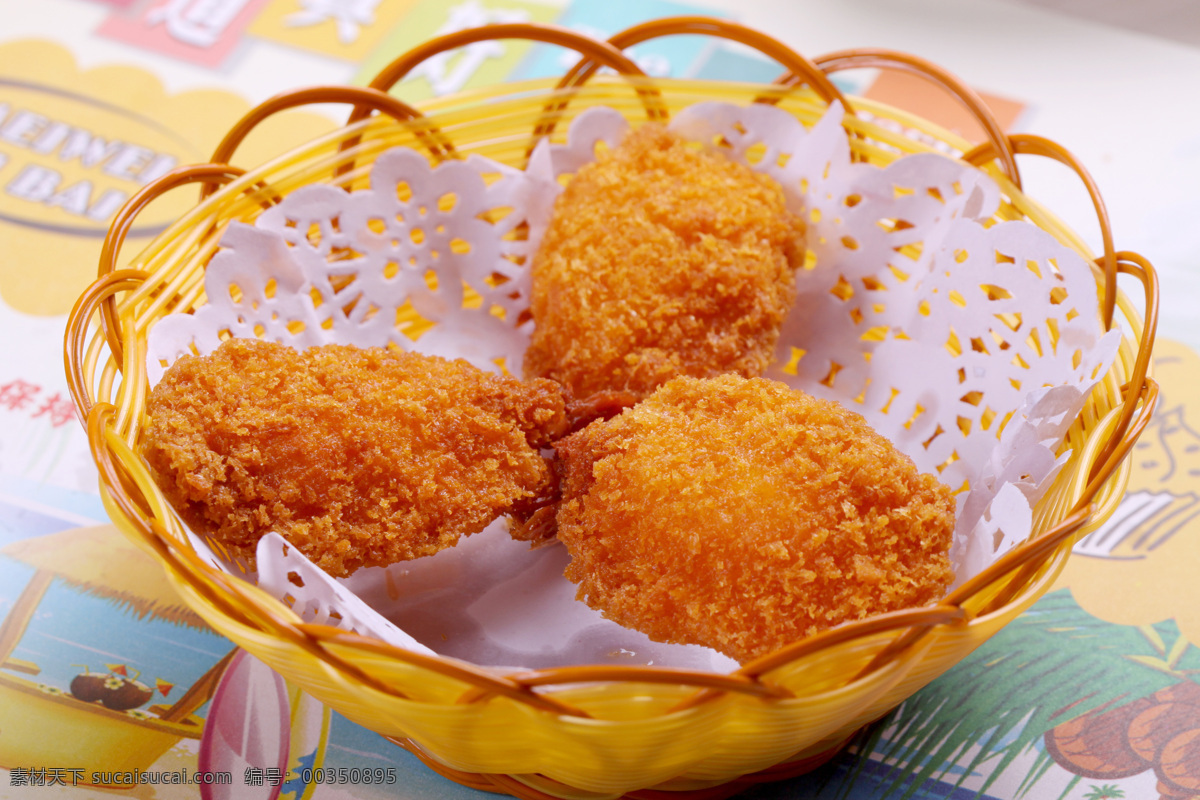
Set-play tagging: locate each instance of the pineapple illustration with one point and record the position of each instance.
(1160, 732)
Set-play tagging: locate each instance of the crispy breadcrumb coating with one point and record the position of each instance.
(660, 260)
(359, 457)
(742, 515)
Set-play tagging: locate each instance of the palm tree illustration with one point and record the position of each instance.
(1058, 682)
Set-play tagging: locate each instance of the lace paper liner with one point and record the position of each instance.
(938, 325)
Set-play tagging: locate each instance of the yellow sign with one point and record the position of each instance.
(346, 29)
(74, 146)
(483, 63)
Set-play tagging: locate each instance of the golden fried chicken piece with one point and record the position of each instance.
(661, 259)
(359, 457)
(742, 515)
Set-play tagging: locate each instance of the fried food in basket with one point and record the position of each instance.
(359, 457)
(661, 259)
(742, 515)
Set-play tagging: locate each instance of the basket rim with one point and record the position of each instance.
(114, 281)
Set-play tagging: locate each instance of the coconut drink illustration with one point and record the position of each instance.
(122, 693)
(115, 690)
(88, 686)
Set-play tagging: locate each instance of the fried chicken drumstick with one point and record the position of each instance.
(661, 260)
(359, 457)
(742, 515)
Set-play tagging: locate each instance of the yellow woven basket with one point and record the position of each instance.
(591, 731)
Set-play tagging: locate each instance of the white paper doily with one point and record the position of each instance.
(941, 327)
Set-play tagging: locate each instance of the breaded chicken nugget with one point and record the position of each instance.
(742, 515)
(359, 457)
(661, 259)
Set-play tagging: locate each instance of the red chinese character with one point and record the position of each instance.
(17, 394)
(60, 410)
